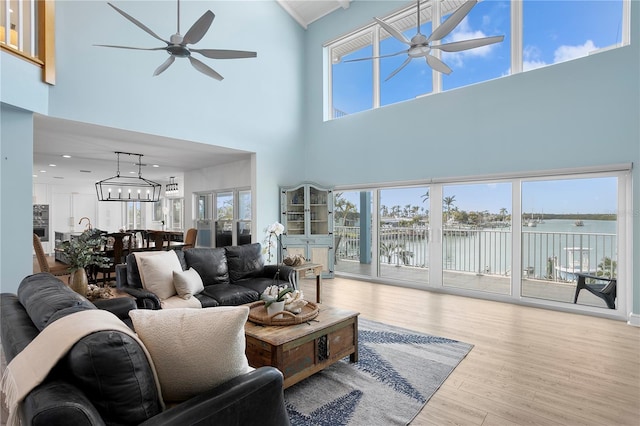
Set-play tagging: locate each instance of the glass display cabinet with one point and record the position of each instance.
(307, 216)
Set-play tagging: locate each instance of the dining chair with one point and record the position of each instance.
(190, 238)
(57, 268)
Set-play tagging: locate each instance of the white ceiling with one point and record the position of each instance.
(92, 150)
(307, 11)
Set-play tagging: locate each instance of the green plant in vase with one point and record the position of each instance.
(81, 252)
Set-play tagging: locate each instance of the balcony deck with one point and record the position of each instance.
(534, 288)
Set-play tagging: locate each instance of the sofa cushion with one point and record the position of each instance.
(46, 298)
(210, 263)
(187, 283)
(231, 294)
(245, 261)
(112, 369)
(156, 272)
(194, 350)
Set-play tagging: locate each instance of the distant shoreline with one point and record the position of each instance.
(574, 216)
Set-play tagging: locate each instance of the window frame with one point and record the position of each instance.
(516, 49)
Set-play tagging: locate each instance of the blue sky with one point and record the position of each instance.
(553, 31)
(592, 195)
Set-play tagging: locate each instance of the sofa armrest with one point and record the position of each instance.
(119, 306)
(57, 403)
(255, 398)
(287, 273)
(144, 298)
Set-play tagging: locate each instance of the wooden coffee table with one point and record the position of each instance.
(301, 350)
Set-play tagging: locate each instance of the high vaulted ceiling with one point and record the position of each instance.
(307, 11)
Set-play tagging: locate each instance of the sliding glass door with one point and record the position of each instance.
(569, 226)
(476, 237)
(515, 238)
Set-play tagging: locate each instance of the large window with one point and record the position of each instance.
(520, 238)
(545, 33)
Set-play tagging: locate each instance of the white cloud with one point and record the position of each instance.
(566, 53)
(532, 56)
(464, 32)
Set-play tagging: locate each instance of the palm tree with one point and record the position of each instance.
(503, 213)
(343, 208)
(448, 203)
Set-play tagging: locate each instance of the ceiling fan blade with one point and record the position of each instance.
(199, 29)
(438, 65)
(376, 57)
(164, 65)
(452, 21)
(397, 34)
(404, 64)
(129, 47)
(205, 69)
(225, 54)
(138, 23)
(458, 46)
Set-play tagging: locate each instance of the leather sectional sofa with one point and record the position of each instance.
(232, 275)
(106, 379)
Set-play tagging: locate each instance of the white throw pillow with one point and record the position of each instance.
(187, 283)
(156, 272)
(193, 350)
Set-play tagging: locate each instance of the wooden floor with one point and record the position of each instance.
(529, 366)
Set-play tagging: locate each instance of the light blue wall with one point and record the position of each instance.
(16, 214)
(579, 113)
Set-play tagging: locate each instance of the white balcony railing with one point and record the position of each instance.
(553, 256)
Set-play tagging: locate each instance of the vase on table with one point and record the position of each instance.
(79, 281)
(274, 308)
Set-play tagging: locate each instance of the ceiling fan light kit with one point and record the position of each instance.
(128, 188)
(177, 45)
(421, 46)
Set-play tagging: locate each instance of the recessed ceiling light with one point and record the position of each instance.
(133, 173)
(66, 156)
(34, 175)
(155, 165)
(43, 171)
(52, 165)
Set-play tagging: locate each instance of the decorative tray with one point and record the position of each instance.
(258, 314)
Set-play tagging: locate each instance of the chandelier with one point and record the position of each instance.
(128, 188)
(171, 189)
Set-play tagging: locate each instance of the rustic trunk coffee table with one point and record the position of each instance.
(301, 350)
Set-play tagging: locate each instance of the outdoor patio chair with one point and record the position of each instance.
(604, 288)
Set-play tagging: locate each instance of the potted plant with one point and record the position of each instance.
(81, 252)
(274, 298)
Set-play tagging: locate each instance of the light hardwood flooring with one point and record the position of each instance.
(529, 366)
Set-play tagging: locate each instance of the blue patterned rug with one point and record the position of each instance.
(397, 373)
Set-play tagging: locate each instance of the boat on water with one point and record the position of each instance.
(578, 223)
(576, 261)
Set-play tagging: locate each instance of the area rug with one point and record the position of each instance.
(397, 373)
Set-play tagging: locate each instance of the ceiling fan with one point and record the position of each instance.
(177, 44)
(420, 46)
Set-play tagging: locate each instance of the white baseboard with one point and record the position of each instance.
(634, 319)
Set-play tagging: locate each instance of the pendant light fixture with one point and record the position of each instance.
(128, 188)
(171, 189)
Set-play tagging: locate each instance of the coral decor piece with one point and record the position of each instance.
(293, 299)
